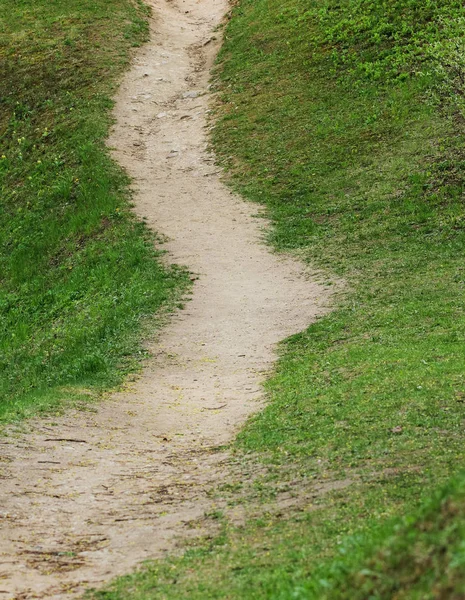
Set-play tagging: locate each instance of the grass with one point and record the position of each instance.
(80, 278)
(345, 118)
(421, 557)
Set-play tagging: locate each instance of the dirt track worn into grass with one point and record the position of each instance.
(89, 495)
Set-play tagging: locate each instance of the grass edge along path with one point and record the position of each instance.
(346, 120)
(81, 280)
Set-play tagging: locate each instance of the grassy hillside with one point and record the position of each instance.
(345, 118)
(421, 557)
(78, 272)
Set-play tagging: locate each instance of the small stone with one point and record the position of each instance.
(191, 94)
(161, 115)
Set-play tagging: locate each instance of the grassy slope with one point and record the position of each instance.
(345, 119)
(78, 272)
(421, 558)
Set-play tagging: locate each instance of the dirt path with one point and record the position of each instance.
(88, 496)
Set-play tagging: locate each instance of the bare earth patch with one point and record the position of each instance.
(89, 495)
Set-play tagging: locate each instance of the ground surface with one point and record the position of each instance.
(345, 119)
(79, 271)
(89, 495)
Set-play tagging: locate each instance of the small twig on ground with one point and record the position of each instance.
(66, 440)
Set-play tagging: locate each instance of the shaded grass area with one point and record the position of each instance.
(346, 120)
(79, 274)
(422, 557)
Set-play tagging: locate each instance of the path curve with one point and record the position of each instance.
(77, 513)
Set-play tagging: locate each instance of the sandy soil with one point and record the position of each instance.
(89, 495)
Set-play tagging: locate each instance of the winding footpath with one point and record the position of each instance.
(89, 495)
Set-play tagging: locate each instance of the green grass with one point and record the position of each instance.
(345, 118)
(421, 557)
(79, 274)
